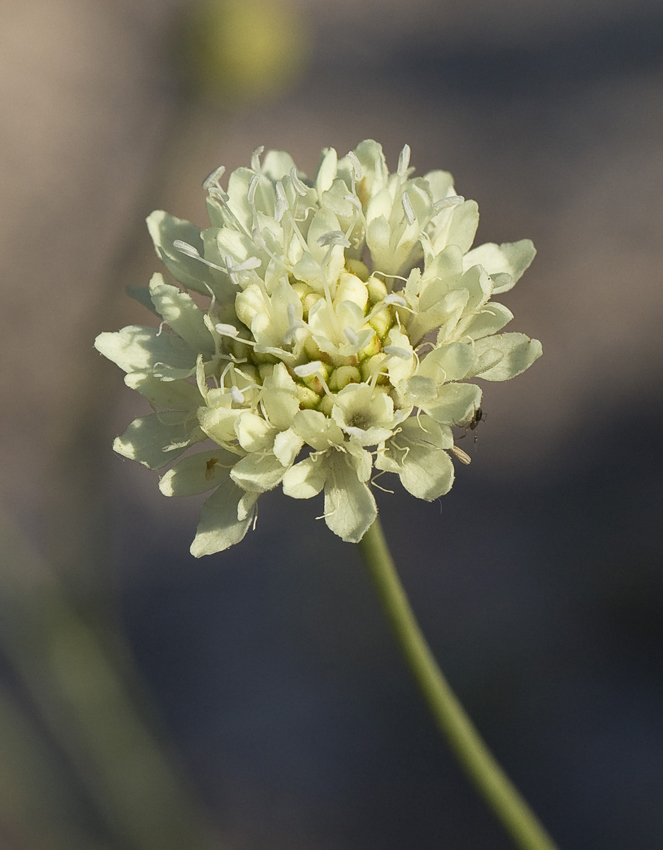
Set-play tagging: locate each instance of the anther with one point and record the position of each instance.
(212, 181)
(396, 351)
(334, 237)
(281, 202)
(253, 185)
(226, 330)
(255, 158)
(231, 331)
(356, 165)
(194, 253)
(409, 209)
(404, 160)
(298, 186)
(462, 456)
(244, 266)
(307, 369)
(353, 200)
(187, 249)
(295, 323)
(237, 395)
(445, 203)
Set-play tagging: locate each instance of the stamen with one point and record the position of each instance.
(409, 209)
(396, 351)
(237, 395)
(379, 486)
(396, 300)
(351, 336)
(424, 238)
(218, 193)
(356, 165)
(388, 300)
(227, 330)
(187, 249)
(253, 185)
(212, 181)
(462, 456)
(255, 158)
(334, 237)
(194, 253)
(281, 202)
(257, 237)
(226, 369)
(395, 276)
(297, 184)
(233, 333)
(307, 369)
(295, 323)
(353, 200)
(244, 266)
(404, 161)
(445, 203)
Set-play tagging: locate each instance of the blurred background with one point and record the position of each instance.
(255, 699)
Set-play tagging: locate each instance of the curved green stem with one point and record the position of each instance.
(488, 777)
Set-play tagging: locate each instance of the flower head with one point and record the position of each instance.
(344, 322)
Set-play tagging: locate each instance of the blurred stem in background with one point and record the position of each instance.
(37, 809)
(58, 627)
(83, 701)
(464, 739)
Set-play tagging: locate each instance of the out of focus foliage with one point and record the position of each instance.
(244, 50)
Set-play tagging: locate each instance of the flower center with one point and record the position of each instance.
(360, 420)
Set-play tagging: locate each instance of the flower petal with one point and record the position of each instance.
(427, 472)
(510, 258)
(287, 445)
(489, 320)
(350, 508)
(258, 473)
(326, 171)
(450, 362)
(417, 455)
(279, 397)
(180, 312)
(518, 353)
(219, 526)
(253, 433)
(139, 349)
(277, 164)
(174, 395)
(317, 430)
(165, 230)
(306, 478)
(197, 473)
(455, 404)
(219, 423)
(158, 439)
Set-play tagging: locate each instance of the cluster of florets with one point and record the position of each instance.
(344, 318)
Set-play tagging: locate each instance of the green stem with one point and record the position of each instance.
(79, 686)
(478, 762)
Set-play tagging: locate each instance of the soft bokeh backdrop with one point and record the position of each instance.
(269, 671)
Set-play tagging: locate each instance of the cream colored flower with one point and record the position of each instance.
(346, 318)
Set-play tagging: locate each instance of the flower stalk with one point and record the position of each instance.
(476, 759)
